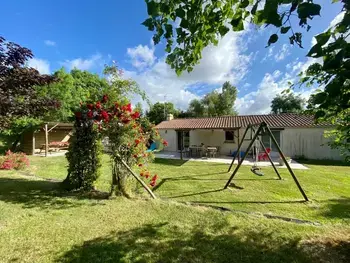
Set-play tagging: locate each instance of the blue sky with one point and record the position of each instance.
(88, 34)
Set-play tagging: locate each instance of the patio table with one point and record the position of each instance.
(212, 151)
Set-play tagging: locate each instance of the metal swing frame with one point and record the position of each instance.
(262, 128)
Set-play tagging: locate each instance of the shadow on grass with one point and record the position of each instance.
(189, 178)
(338, 208)
(39, 193)
(324, 162)
(173, 162)
(199, 193)
(164, 243)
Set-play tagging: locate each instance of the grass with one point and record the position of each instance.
(39, 223)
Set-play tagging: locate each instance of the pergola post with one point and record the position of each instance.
(46, 140)
(33, 143)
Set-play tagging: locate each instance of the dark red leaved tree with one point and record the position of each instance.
(18, 96)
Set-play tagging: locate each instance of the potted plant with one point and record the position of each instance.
(288, 159)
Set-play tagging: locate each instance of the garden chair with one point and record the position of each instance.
(263, 156)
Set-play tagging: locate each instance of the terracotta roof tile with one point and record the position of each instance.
(284, 120)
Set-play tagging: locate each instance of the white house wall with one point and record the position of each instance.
(171, 137)
(308, 142)
(214, 138)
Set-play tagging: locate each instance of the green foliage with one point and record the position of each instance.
(215, 103)
(18, 97)
(203, 23)
(332, 102)
(84, 157)
(15, 128)
(196, 108)
(71, 89)
(158, 111)
(139, 109)
(120, 87)
(287, 103)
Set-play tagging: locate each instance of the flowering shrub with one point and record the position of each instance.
(128, 136)
(12, 160)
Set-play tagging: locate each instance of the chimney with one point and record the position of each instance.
(169, 117)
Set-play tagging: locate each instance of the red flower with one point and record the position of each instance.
(137, 141)
(165, 143)
(135, 115)
(116, 105)
(126, 121)
(154, 180)
(98, 105)
(78, 115)
(147, 175)
(104, 98)
(105, 116)
(127, 107)
(135, 155)
(141, 174)
(140, 164)
(90, 106)
(90, 114)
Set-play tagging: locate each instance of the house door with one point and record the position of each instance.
(183, 140)
(267, 141)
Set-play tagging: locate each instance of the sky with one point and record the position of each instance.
(89, 34)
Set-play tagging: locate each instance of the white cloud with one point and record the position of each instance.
(283, 53)
(84, 64)
(337, 19)
(269, 54)
(333, 23)
(50, 43)
(41, 65)
(259, 101)
(141, 56)
(225, 62)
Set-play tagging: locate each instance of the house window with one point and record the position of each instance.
(229, 136)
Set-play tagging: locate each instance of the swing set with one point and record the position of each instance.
(258, 130)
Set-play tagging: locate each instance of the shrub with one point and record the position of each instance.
(12, 160)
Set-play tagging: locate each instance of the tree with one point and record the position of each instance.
(196, 108)
(71, 89)
(227, 100)
(202, 24)
(18, 96)
(214, 103)
(287, 103)
(158, 112)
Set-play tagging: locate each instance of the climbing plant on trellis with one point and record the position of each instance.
(128, 137)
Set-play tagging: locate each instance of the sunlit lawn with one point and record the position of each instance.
(39, 223)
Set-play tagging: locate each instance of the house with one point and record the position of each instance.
(297, 134)
(33, 141)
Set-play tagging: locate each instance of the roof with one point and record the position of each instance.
(284, 120)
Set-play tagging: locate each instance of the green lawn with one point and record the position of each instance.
(39, 223)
